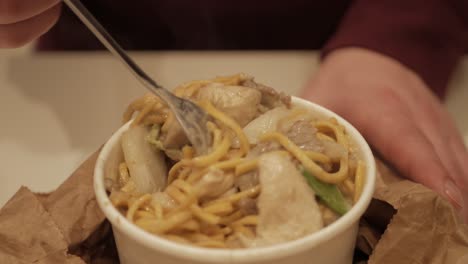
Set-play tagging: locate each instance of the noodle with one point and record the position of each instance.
(230, 123)
(158, 210)
(254, 191)
(247, 220)
(231, 218)
(204, 216)
(211, 244)
(246, 166)
(317, 156)
(245, 231)
(221, 208)
(135, 205)
(214, 156)
(227, 164)
(324, 137)
(142, 214)
(165, 225)
(359, 185)
(190, 225)
(143, 113)
(154, 119)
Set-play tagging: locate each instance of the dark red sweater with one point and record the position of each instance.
(428, 36)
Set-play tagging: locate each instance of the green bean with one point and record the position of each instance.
(328, 193)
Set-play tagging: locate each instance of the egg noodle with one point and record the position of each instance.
(215, 221)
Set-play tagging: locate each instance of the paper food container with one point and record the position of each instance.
(333, 244)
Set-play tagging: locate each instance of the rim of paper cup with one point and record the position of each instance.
(247, 255)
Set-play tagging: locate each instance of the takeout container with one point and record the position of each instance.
(333, 244)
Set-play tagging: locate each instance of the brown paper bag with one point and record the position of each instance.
(48, 228)
(425, 229)
(405, 223)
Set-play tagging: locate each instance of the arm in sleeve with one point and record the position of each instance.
(427, 36)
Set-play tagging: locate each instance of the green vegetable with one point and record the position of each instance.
(153, 137)
(328, 193)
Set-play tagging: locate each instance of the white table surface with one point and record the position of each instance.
(56, 109)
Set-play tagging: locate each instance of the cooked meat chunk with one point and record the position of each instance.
(333, 150)
(246, 180)
(238, 102)
(266, 122)
(214, 183)
(248, 206)
(287, 206)
(303, 134)
(270, 97)
(173, 136)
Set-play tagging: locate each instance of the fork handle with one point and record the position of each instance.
(109, 42)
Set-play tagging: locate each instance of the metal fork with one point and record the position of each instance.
(190, 116)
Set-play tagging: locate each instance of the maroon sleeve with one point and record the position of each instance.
(428, 36)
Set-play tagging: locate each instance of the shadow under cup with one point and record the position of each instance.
(333, 244)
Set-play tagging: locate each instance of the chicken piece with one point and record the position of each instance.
(147, 166)
(246, 180)
(248, 206)
(174, 154)
(270, 97)
(214, 183)
(155, 138)
(333, 150)
(250, 179)
(287, 206)
(238, 102)
(174, 136)
(303, 134)
(266, 122)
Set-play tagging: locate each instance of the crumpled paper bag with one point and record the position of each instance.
(405, 223)
(425, 228)
(65, 226)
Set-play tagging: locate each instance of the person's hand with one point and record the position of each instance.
(22, 21)
(398, 115)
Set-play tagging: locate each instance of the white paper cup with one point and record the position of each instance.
(333, 244)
